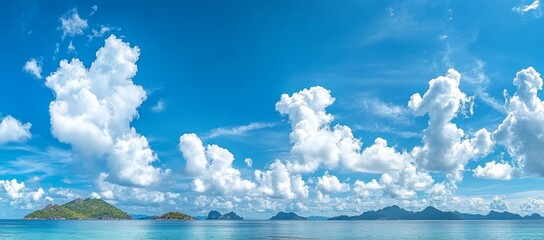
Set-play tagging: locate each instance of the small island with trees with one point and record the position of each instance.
(174, 216)
(80, 209)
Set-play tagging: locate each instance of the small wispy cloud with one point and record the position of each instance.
(98, 33)
(376, 128)
(478, 81)
(93, 10)
(33, 67)
(399, 22)
(239, 130)
(71, 48)
(384, 109)
(159, 107)
(396, 113)
(72, 24)
(249, 162)
(44, 162)
(533, 7)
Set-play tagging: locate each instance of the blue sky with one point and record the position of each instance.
(260, 107)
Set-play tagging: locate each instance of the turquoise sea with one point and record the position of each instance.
(142, 229)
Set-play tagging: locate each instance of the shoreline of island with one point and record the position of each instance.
(98, 209)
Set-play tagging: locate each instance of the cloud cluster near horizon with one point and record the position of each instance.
(93, 109)
(327, 167)
(446, 148)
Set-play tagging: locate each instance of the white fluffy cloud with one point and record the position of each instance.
(213, 173)
(278, 182)
(211, 167)
(495, 170)
(405, 183)
(499, 203)
(131, 161)
(18, 194)
(445, 146)
(316, 143)
(399, 184)
(93, 109)
(532, 205)
(522, 130)
(478, 205)
(330, 184)
(13, 188)
(12, 130)
(378, 157)
(33, 67)
(366, 189)
(72, 24)
(129, 195)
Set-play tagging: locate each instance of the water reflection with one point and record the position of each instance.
(149, 229)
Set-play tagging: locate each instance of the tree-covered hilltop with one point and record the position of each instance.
(80, 209)
(287, 216)
(96, 209)
(53, 211)
(174, 216)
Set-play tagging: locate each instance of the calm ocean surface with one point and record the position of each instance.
(141, 229)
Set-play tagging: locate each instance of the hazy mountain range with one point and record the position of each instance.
(430, 213)
(101, 210)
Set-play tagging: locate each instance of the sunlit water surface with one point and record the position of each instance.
(148, 229)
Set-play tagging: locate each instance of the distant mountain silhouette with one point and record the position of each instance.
(502, 216)
(317, 218)
(287, 216)
(534, 216)
(430, 213)
(469, 216)
(215, 215)
(389, 213)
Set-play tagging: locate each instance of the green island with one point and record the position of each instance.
(80, 209)
(174, 216)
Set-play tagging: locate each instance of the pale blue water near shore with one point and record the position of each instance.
(31, 230)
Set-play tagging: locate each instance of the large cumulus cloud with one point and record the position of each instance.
(93, 109)
(522, 131)
(211, 167)
(316, 143)
(446, 147)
